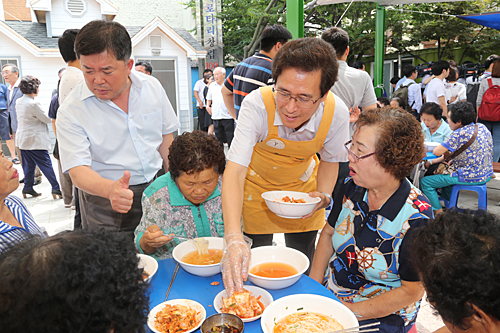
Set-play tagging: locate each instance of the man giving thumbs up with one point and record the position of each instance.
(114, 129)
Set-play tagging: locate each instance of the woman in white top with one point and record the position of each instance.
(32, 138)
(455, 91)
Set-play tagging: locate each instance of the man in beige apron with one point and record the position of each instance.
(279, 131)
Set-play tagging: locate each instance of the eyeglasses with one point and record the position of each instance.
(303, 102)
(356, 157)
(6, 72)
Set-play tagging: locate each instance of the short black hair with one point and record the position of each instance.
(432, 109)
(338, 38)
(67, 45)
(273, 34)
(491, 59)
(457, 256)
(463, 112)
(72, 282)
(193, 152)
(395, 80)
(208, 70)
(309, 55)
(439, 66)
(101, 35)
(147, 66)
(383, 100)
(408, 70)
(29, 84)
(358, 64)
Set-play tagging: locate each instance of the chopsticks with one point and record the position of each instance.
(362, 329)
(172, 281)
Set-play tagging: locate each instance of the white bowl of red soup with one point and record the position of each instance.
(193, 258)
(149, 266)
(276, 267)
(290, 204)
(306, 313)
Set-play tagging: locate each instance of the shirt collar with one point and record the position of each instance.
(15, 84)
(134, 77)
(178, 199)
(391, 208)
(261, 55)
(309, 126)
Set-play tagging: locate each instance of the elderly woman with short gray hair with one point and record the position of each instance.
(32, 138)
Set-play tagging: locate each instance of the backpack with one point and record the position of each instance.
(402, 92)
(472, 90)
(490, 104)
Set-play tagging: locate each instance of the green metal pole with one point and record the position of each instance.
(379, 49)
(295, 17)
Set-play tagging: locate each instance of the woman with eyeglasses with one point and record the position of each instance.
(279, 131)
(364, 246)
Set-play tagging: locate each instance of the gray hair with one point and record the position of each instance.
(220, 69)
(13, 68)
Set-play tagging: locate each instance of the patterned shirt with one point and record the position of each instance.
(164, 204)
(372, 248)
(11, 235)
(475, 164)
(250, 74)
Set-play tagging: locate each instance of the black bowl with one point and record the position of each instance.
(220, 319)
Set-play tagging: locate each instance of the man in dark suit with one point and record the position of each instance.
(10, 73)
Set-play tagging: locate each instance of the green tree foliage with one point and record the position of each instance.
(406, 27)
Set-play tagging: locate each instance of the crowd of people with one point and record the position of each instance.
(305, 121)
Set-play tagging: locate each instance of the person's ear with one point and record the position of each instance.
(482, 320)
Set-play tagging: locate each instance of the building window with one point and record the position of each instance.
(76, 8)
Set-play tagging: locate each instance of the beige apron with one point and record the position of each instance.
(282, 165)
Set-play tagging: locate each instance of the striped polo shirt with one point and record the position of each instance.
(11, 235)
(250, 74)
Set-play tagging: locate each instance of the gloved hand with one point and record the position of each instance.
(235, 261)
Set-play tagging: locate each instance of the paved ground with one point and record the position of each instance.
(54, 217)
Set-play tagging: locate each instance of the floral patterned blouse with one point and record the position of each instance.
(164, 204)
(475, 164)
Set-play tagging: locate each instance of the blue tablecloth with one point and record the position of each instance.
(429, 156)
(200, 289)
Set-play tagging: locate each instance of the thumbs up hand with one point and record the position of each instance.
(121, 196)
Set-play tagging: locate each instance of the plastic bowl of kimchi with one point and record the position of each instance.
(290, 204)
(248, 304)
(176, 315)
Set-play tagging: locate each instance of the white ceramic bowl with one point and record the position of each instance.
(277, 254)
(286, 209)
(202, 314)
(149, 264)
(265, 298)
(431, 145)
(200, 270)
(306, 302)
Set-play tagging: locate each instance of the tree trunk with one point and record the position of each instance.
(250, 48)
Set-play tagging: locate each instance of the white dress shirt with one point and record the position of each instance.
(32, 131)
(455, 89)
(219, 110)
(414, 94)
(253, 128)
(199, 86)
(99, 134)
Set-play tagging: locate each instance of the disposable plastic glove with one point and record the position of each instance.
(235, 261)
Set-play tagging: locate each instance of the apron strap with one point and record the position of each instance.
(268, 97)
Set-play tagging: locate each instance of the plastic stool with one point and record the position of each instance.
(480, 189)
